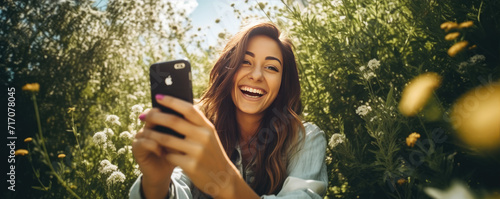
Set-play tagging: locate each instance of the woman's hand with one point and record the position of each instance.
(149, 154)
(200, 154)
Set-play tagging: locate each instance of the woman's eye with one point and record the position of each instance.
(246, 62)
(273, 68)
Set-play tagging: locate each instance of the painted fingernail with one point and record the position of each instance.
(142, 116)
(159, 96)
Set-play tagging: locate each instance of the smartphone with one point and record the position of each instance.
(171, 78)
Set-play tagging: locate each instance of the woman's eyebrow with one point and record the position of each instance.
(267, 58)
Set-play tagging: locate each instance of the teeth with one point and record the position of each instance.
(252, 90)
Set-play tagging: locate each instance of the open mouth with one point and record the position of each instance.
(252, 92)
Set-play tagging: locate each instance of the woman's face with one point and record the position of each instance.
(258, 80)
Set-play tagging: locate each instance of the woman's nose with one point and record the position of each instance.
(256, 73)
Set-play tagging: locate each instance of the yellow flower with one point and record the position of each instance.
(28, 139)
(458, 47)
(452, 36)
(22, 152)
(473, 47)
(401, 181)
(71, 109)
(476, 117)
(72, 186)
(418, 92)
(61, 155)
(31, 87)
(466, 24)
(447, 26)
(412, 139)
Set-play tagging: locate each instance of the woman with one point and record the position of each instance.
(247, 142)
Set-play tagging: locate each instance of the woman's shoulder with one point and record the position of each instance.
(311, 129)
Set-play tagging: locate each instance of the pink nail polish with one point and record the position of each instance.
(142, 116)
(159, 96)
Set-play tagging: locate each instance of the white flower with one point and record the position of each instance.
(458, 190)
(336, 139)
(362, 68)
(121, 151)
(137, 108)
(336, 3)
(109, 132)
(115, 177)
(108, 169)
(99, 138)
(342, 18)
(373, 64)
(477, 58)
(113, 119)
(131, 97)
(126, 135)
(368, 75)
(105, 162)
(462, 66)
(363, 110)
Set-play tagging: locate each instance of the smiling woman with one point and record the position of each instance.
(248, 139)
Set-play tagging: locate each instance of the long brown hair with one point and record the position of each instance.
(278, 133)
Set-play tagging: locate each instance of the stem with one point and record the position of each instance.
(34, 171)
(45, 154)
(75, 133)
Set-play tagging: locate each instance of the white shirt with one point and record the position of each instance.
(306, 170)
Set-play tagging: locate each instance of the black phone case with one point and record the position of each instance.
(179, 86)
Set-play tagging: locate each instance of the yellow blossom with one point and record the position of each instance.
(28, 139)
(473, 47)
(458, 47)
(466, 24)
(418, 92)
(401, 181)
(22, 152)
(61, 155)
(476, 117)
(72, 186)
(452, 36)
(31, 87)
(412, 139)
(447, 26)
(71, 109)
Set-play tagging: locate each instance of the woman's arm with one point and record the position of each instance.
(200, 154)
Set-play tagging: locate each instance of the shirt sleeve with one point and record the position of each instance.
(180, 187)
(307, 176)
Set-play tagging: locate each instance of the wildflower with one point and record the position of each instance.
(21, 152)
(35, 87)
(336, 3)
(125, 135)
(362, 68)
(28, 139)
(72, 186)
(452, 36)
(402, 181)
(109, 132)
(137, 108)
(418, 92)
(373, 64)
(477, 58)
(71, 109)
(475, 117)
(447, 26)
(412, 139)
(466, 24)
(99, 138)
(115, 177)
(336, 139)
(113, 119)
(121, 151)
(457, 190)
(61, 156)
(363, 110)
(104, 163)
(458, 47)
(368, 75)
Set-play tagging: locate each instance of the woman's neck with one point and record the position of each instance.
(249, 124)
